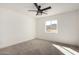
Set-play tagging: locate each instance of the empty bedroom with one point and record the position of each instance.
(39, 28)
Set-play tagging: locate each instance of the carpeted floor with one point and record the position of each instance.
(33, 47)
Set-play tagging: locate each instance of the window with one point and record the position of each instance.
(51, 26)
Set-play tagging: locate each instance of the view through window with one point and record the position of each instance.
(51, 26)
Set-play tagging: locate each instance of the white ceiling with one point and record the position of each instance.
(56, 8)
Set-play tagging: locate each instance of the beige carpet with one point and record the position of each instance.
(32, 47)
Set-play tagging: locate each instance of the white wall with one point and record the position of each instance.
(68, 28)
(15, 27)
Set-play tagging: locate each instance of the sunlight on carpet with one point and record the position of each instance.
(66, 50)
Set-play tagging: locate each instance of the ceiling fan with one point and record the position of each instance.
(39, 10)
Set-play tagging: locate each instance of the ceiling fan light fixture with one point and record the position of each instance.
(39, 10)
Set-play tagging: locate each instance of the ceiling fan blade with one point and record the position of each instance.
(40, 13)
(44, 13)
(36, 5)
(37, 13)
(46, 8)
(33, 10)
